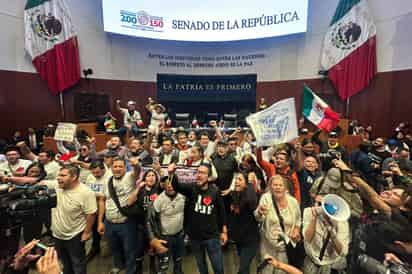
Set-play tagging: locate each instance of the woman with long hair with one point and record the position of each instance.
(280, 218)
(146, 192)
(243, 227)
(254, 173)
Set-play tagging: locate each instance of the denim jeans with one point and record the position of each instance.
(72, 255)
(214, 251)
(246, 253)
(122, 240)
(134, 131)
(96, 238)
(176, 246)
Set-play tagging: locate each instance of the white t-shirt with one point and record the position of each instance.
(314, 247)
(69, 216)
(157, 119)
(97, 184)
(20, 167)
(128, 119)
(123, 188)
(171, 213)
(52, 169)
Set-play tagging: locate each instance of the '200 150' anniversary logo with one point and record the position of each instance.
(141, 20)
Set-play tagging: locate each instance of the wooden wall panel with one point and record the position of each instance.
(26, 102)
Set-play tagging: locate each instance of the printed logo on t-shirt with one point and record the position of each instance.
(153, 197)
(204, 205)
(96, 187)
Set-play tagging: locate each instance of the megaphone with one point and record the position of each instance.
(336, 208)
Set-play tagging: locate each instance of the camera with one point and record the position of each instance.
(330, 156)
(25, 203)
(327, 158)
(22, 205)
(372, 266)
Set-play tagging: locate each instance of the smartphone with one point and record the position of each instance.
(41, 248)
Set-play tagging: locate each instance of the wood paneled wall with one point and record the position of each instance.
(25, 101)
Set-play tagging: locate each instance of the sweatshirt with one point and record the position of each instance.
(205, 214)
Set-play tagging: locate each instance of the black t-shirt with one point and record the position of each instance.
(378, 156)
(243, 227)
(144, 198)
(225, 168)
(205, 213)
(306, 180)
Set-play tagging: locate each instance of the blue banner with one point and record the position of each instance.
(191, 88)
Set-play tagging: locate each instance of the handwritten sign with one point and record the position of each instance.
(65, 132)
(184, 174)
(276, 124)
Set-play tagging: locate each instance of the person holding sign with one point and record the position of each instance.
(206, 218)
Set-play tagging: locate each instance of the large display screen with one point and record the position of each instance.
(210, 20)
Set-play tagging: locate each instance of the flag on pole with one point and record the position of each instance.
(51, 42)
(276, 124)
(349, 50)
(318, 112)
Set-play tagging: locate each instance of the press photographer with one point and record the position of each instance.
(388, 230)
(19, 206)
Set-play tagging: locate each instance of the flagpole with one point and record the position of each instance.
(347, 107)
(62, 106)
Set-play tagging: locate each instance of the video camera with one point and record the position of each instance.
(372, 266)
(24, 203)
(327, 158)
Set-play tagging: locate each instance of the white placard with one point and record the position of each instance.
(65, 132)
(276, 124)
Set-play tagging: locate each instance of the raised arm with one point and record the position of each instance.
(118, 107)
(185, 189)
(267, 167)
(366, 191)
(26, 152)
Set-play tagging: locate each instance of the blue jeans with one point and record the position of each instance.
(214, 251)
(123, 131)
(176, 246)
(246, 253)
(72, 254)
(122, 240)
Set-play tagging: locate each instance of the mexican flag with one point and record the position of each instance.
(318, 112)
(349, 50)
(51, 42)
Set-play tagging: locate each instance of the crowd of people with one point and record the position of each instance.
(267, 201)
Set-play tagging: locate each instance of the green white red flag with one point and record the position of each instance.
(318, 112)
(51, 41)
(349, 50)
